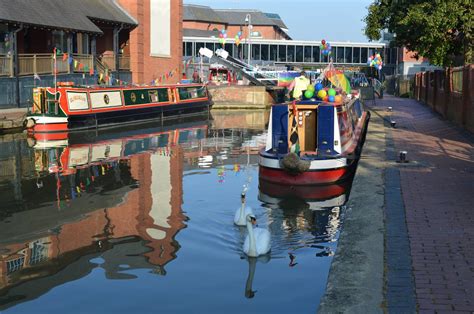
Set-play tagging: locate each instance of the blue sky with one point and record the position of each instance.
(333, 20)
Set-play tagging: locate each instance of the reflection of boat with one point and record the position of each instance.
(68, 107)
(112, 193)
(316, 196)
(312, 142)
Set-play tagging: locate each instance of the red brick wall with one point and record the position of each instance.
(267, 32)
(144, 67)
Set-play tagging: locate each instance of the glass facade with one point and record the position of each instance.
(308, 55)
(291, 53)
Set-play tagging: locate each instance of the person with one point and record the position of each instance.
(195, 77)
(300, 84)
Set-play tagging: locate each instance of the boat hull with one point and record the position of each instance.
(310, 177)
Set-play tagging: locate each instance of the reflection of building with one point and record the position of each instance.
(130, 196)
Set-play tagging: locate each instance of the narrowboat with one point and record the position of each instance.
(66, 107)
(312, 142)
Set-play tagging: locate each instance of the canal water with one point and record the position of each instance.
(141, 220)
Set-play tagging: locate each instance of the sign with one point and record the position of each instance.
(77, 101)
(106, 99)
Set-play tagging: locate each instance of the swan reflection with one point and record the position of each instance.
(252, 261)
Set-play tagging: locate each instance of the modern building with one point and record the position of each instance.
(298, 53)
(203, 20)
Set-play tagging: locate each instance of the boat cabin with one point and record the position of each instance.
(319, 128)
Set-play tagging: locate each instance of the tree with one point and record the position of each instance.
(439, 30)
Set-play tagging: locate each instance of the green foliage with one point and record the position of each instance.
(439, 30)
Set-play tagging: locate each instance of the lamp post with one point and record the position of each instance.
(248, 21)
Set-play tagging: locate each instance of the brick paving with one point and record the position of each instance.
(437, 187)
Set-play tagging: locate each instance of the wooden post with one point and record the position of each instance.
(466, 94)
(70, 51)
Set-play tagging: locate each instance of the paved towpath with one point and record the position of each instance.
(437, 187)
(12, 119)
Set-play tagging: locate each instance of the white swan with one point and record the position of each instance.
(257, 241)
(242, 212)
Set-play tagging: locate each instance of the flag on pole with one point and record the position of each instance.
(294, 139)
(36, 77)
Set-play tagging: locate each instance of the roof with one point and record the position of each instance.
(237, 17)
(76, 15)
(188, 32)
(193, 12)
(276, 19)
(203, 13)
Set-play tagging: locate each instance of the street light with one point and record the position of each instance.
(248, 22)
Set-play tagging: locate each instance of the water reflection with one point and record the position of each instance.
(120, 197)
(115, 213)
(313, 208)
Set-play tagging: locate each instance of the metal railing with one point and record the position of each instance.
(108, 61)
(6, 65)
(44, 63)
(85, 60)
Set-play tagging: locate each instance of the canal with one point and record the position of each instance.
(141, 220)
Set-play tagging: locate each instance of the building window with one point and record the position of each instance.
(308, 54)
(198, 47)
(290, 54)
(264, 52)
(273, 53)
(316, 54)
(299, 53)
(210, 46)
(188, 49)
(282, 53)
(356, 55)
(229, 48)
(363, 55)
(348, 54)
(256, 52)
(340, 55)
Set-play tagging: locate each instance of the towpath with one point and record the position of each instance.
(426, 263)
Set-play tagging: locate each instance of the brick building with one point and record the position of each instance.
(155, 46)
(264, 25)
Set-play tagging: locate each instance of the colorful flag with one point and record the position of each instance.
(75, 63)
(36, 77)
(91, 71)
(338, 79)
(294, 138)
(64, 56)
(285, 78)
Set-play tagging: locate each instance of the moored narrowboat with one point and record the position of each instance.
(67, 107)
(313, 142)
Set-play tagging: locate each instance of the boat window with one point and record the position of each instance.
(135, 97)
(163, 94)
(153, 94)
(191, 92)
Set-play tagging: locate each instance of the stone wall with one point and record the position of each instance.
(240, 97)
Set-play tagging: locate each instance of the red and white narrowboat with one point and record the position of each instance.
(58, 110)
(312, 142)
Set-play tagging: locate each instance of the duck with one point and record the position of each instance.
(257, 241)
(242, 212)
